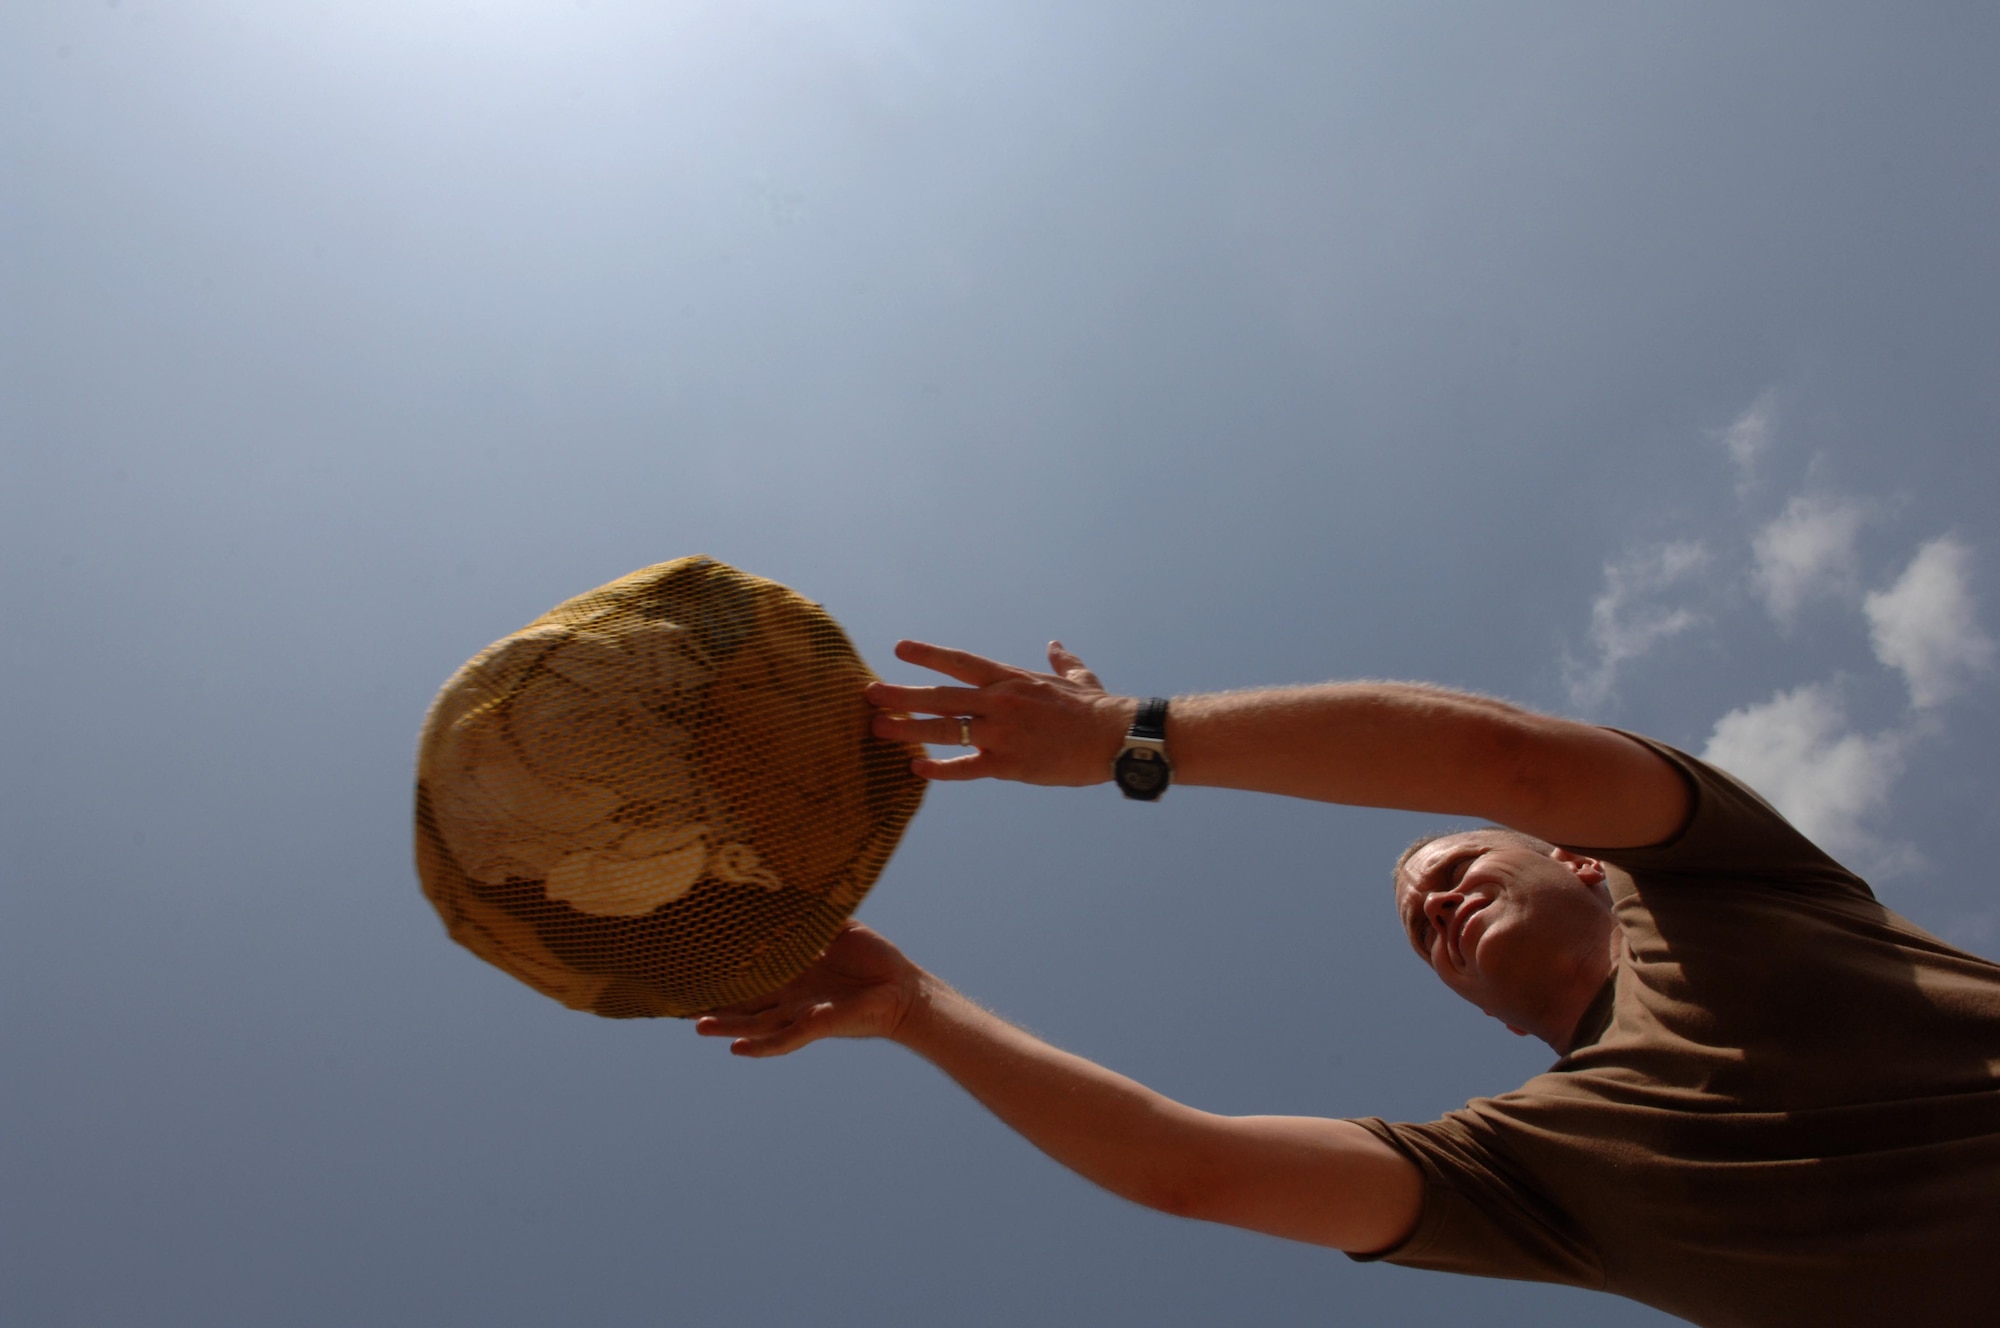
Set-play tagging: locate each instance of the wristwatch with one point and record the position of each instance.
(1141, 769)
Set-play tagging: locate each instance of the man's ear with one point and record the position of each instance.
(1588, 870)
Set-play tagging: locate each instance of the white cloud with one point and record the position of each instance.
(1808, 550)
(1796, 750)
(1749, 436)
(1627, 619)
(1925, 626)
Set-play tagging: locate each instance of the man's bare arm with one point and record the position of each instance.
(1328, 1182)
(1427, 749)
(1376, 744)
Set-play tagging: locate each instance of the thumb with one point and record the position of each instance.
(1071, 666)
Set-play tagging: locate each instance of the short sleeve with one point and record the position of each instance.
(1479, 1217)
(1732, 832)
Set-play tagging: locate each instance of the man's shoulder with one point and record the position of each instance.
(1732, 834)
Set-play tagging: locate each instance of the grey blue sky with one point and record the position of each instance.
(1633, 361)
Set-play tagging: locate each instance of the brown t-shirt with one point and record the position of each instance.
(1784, 1107)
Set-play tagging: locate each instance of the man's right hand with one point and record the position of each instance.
(860, 986)
(1059, 727)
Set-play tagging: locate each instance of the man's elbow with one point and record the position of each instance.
(1206, 1200)
(1201, 1183)
(1322, 1182)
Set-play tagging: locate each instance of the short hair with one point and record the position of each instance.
(1520, 837)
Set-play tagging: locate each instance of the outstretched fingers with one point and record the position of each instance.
(974, 766)
(1038, 728)
(936, 732)
(960, 664)
(925, 700)
(771, 1032)
(807, 1025)
(722, 1023)
(858, 987)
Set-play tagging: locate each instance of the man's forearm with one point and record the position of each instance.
(1100, 1124)
(1423, 748)
(1324, 1181)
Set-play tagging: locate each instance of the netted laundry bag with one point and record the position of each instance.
(661, 796)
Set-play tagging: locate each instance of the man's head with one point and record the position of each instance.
(1515, 925)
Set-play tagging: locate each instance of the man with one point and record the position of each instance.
(1776, 1103)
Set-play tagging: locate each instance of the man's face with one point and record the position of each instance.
(1505, 925)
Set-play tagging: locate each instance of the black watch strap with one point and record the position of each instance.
(1142, 770)
(1151, 721)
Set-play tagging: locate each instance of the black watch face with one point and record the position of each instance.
(1142, 773)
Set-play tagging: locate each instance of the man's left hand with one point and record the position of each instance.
(1059, 727)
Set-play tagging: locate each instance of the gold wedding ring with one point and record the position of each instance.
(965, 730)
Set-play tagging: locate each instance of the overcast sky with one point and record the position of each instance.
(1635, 362)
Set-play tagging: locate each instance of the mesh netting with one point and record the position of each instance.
(661, 796)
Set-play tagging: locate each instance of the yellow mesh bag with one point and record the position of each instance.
(661, 796)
